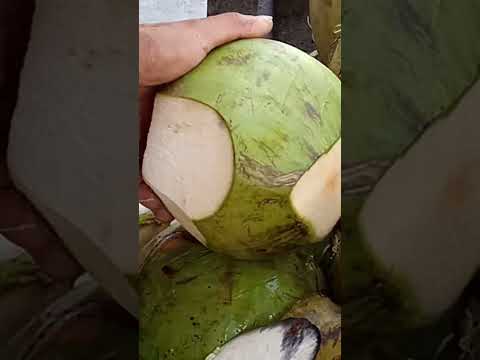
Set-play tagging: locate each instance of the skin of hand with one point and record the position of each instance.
(169, 51)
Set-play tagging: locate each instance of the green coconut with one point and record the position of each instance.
(415, 250)
(410, 161)
(195, 300)
(245, 150)
(412, 70)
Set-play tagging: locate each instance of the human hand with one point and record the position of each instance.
(168, 51)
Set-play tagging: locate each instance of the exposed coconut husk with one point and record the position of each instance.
(435, 190)
(292, 339)
(245, 150)
(326, 316)
(335, 63)
(408, 164)
(325, 20)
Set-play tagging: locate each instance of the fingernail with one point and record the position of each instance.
(262, 25)
(265, 17)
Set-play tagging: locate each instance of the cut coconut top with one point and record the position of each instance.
(291, 339)
(189, 156)
(316, 196)
(422, 219)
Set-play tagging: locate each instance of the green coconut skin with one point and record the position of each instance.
(282, 108)
(195, 300)
(406, 64)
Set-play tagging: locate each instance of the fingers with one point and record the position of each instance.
(168, 51)
(145, 103)
(220, 29)
(151, 201)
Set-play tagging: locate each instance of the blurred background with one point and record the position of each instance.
(46, 319)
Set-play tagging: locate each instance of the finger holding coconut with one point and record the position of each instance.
(245, 151)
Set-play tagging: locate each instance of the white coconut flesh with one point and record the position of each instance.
(292, 339)
(317, 194)
(189, 164)
(422, 219)
(188, 161)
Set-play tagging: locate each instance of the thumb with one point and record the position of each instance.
(168, 51)
(220, 29)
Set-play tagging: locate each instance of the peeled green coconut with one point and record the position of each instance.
(410, 162)
(432, 251)
(195, 300)
(245, 150)
(292, 339)
(412, 71)
(309, 331)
